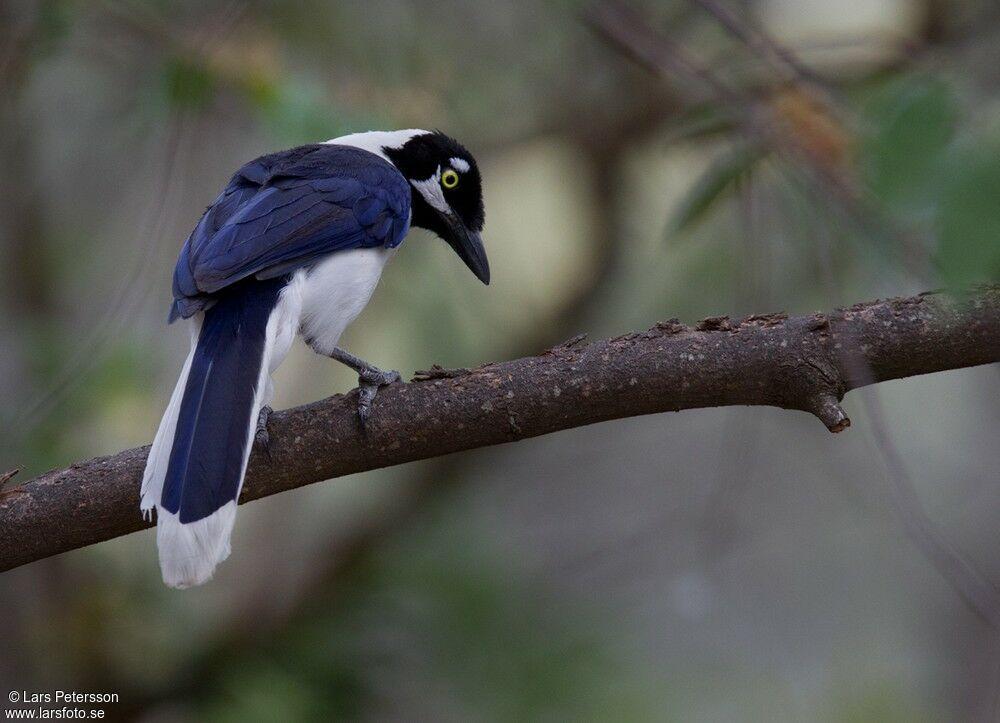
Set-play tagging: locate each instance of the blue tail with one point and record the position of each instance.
(210, 445)
(211, 434)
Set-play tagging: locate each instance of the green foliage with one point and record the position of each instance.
(714, 185)
(508, 655)
(118, 373)
(968, 215)
(933, 173)
(908, 128)
(188, 84)
(295, 111)
(466, 619)
(55, 18)
(313, 673)
(878, 702)
(703, 122)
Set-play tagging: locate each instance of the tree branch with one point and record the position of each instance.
(806, 363)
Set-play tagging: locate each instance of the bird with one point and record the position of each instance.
(294, 245)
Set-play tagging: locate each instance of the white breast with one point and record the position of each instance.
(335, 291)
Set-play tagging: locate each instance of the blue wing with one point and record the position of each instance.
(284, 211)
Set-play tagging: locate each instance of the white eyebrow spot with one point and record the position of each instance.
(459, 164)
(431, 191)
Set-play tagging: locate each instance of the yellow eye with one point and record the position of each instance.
(449, 179)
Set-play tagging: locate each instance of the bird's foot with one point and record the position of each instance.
(370, 380)
(262, 437)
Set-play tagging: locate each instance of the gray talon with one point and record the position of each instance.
(262, 437)
(366, 393)
(369, 382)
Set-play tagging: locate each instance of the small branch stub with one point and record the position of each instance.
(829, 411)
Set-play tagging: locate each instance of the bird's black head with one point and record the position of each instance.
(447, 194)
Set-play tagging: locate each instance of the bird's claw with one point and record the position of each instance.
(369, 382)
(262, 437)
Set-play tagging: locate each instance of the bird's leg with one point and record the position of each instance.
(370, 378)
(261, 436)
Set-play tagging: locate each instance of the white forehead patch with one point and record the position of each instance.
(459, 164)
(431, 191)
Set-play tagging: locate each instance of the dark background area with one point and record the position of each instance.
(731, 564)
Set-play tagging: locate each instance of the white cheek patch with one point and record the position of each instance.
(459, 164)
(431, 191)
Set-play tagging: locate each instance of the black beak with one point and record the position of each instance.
(469, 247)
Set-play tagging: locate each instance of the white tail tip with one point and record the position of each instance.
(189, 553)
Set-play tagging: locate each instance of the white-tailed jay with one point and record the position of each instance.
(294, 244)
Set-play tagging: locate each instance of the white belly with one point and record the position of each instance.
(335, 291)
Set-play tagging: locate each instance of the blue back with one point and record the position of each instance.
(283, 211)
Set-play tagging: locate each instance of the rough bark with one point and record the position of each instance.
(806, 363)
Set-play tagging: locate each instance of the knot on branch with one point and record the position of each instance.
(715, 323)
(670, 326)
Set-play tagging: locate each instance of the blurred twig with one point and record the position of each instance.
(778, 57)
(630, 32)
(787, 123)
(975, 591)
(978, 594)
(89, 349)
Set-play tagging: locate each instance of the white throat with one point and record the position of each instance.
(375, 141)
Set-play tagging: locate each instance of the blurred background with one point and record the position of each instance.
(716, 565)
